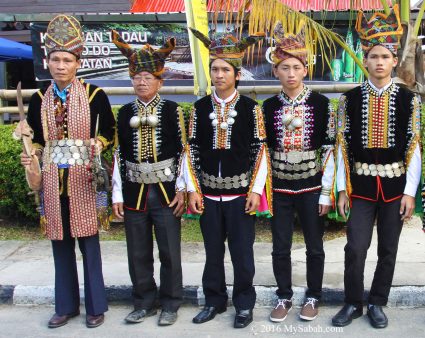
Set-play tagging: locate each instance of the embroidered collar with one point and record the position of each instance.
(61, 93)
(302, 96)
(152, 102)
(226, 100)
(378, 91)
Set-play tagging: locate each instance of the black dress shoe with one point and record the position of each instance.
(346, 315)
(377, 317)
(58, 321)
(208, 313)
(243, 318)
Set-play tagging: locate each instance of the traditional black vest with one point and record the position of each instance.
(165, 142)
(234, 151)
(316, 134)
(378, 130)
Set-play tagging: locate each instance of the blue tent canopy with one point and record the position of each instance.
(12, 50)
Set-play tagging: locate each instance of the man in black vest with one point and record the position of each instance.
(379, 167)
(300, 127)
(225, 168)
(151, 135)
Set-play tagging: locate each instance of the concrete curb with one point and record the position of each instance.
(400, 296)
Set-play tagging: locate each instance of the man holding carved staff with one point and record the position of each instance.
(72, 123)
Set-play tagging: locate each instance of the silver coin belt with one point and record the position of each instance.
(233, 182)
(295, 156)
(304, 164)
(395, 169)
(68, 151)
(148, 173)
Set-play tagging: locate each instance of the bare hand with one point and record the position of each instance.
(178, 202)
(407, 206)
(118, 210)
(252, 203)
(195, 202)
(343, 204)
(324, 209)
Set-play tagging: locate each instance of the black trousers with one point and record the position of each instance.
(67, 296)
(221, 220)
(138, 228)
(359, 236)
(306, 206)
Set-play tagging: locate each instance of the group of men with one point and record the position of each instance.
(289, 157)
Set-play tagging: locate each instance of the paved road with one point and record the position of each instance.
(24, 321)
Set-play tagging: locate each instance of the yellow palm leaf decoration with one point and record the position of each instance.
(263, 15)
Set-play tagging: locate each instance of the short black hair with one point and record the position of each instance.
(235, 70)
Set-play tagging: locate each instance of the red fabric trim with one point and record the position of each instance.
(379, 192)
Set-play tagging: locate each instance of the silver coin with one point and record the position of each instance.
(59, 156)
(379, 167)
(366, 172)
(79, 161)
(65, 150)
(372, 167)
(303, 175)
(381, 173)
(167, 171)
(228, 186)
(139, 180)
(63, 160)
(374, 172)
(219, 180)
(61, 143)
(71, 161)
(84, 156)
(67, 156)
(244, 183)
(227, 180)
(359, 171)
(312, 165)
(220, 185)
(79, 143)
(358, 165)
(73, 149)
(236, 185)
(403, 170)
(313, 172)
(390, 174)
(395, 165)
(57, 150)
(388, 167)
(69, 142)
(76, 156)
(86, 161)
(306, 156)
(304, 166)
(235, 178)
(397, 172)
(364, 166)
(243, 176)
(56, 160)
(281, 166)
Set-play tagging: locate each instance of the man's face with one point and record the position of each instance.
(380, 62)
(223, 75)
(63, 67)
(291, 73)
(146, 85)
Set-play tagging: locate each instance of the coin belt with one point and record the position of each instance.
(390, 170)
(294, 156)
(233, 182)
(68, 151)
(148, 173)
(285, 167)
(296, 176)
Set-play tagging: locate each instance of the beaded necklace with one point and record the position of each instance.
(61, 117)
(223, 118)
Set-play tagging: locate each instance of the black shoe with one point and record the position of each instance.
(346, 315)
(377, 317)
(243, 318)
(208, 313)
(139, 315)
